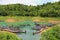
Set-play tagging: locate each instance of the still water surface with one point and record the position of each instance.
(29, 32)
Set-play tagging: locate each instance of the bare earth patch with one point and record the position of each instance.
(54, 21)
(48, 28)
(38, 20)
(10, 20)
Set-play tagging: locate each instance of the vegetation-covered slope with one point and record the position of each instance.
(45, 10)
(51, 34)
(8, 36)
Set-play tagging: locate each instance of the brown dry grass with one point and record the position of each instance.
(10, 20)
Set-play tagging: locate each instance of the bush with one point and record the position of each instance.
(8, 36)
(53, 34)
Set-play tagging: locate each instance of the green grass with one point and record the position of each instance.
(23, 18)
(51, 34)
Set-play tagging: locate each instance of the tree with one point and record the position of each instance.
(45, 10)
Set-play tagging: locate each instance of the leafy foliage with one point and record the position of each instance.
(53, 34)
(8, 36)
(45, 10)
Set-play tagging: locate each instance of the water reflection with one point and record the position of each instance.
(29, 34)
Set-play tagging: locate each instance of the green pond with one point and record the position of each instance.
(29, 32)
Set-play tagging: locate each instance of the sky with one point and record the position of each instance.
(26, 2)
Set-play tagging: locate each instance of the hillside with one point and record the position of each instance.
(45, 10)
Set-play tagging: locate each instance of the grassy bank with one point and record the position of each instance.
(23, 18)
(51, 33)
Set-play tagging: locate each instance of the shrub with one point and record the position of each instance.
(52, 34)
(8, 36)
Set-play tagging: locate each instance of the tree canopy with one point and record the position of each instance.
(45, 10)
